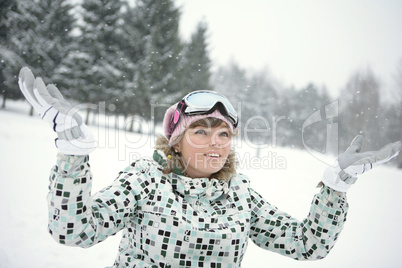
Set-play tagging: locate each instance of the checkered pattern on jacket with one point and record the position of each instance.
(175, 221)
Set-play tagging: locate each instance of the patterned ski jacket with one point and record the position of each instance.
(174, 221)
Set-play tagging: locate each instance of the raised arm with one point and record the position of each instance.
(315, 236)
(78, 219)
(75, 217)
(309, 239)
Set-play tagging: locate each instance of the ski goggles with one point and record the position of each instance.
(203, 102)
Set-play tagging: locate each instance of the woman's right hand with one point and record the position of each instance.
(74, 137)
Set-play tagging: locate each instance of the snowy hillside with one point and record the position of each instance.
(370, 238)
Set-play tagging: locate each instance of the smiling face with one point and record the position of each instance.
(205, 147)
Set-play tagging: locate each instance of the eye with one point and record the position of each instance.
(224, 134)
(200, 131)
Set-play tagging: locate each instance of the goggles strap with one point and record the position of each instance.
(181, 106)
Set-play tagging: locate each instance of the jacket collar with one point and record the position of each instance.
(161, 159)
(210, 189)
(203, 187)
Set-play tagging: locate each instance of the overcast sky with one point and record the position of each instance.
(302, 41)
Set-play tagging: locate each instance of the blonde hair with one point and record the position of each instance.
(175, 159)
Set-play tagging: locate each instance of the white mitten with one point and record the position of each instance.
(74, 137)
(352, 163)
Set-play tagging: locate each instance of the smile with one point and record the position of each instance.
(214, 155)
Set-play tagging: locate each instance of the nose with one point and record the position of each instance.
(214, 144)
(216, 141)
(213, 141)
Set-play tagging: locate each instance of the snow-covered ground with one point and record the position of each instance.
(370, 239)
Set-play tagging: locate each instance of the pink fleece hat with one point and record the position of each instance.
(186, 120)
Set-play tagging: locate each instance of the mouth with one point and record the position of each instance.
(212, 155)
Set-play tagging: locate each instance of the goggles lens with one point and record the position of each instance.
(203, 102)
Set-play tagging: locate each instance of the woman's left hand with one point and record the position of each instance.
(352, 163)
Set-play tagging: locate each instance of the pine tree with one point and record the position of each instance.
(159, 51)
(393, 116)
(196, 64)
(39, 36)
(310, 101)
(136, 97)
(232, 81)
(285, 109)
(9, 60)
(359, 110)
(261, 106)
(5, 7)
(42, 34)
(92, 71)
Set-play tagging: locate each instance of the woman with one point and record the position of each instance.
(187, 207)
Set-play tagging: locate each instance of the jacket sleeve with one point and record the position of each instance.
(309, 239)
(78, 219)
